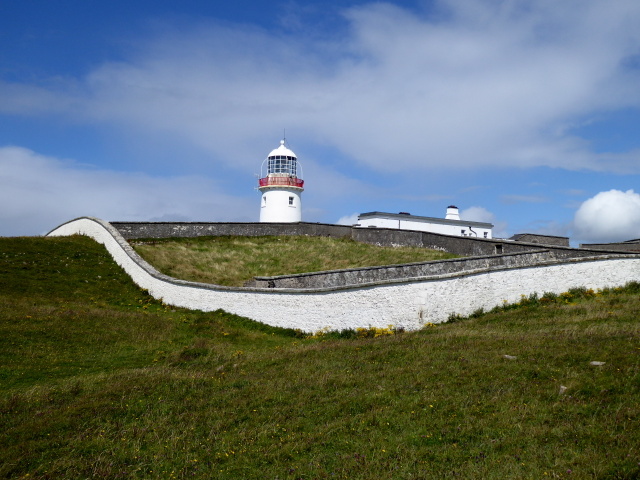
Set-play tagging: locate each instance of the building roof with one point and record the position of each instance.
(624, 242)
(282, 150)
(518, 236)
(417, 218)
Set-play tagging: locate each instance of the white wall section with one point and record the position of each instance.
(407, 303)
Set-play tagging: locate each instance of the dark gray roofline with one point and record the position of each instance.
(624, 242)
(441, 221)
(518, 235)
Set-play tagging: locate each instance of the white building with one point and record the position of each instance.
(450, 225)
(281, 188)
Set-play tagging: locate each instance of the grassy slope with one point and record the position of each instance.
(97, 379)
(234, 260)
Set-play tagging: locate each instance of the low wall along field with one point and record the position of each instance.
(365, 275)
(406, 300)
(466, 246)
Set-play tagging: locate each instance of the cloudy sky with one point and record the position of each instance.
(522, 113)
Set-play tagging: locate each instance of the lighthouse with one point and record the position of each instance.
(281, 188)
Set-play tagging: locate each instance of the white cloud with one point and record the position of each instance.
(348, 219)
(611, 216)
(477, 214)
(38, 193)
(481, 214)
(476, 83)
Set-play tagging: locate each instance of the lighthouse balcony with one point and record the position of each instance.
(281, 182)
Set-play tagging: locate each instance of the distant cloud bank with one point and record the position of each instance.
(38, 191)
(474, 83)
(397, 108)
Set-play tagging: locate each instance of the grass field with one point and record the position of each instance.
(233, 260)
(98, 380)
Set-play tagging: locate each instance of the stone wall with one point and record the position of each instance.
(362, 276)
(134, 230)
(401, 302)
(541, 239)
(465, 246)
(632, 246)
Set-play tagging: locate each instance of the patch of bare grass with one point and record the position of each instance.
(232, 261)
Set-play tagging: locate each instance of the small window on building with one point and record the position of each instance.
(264, 200)
(486, 234)
(462, 232)
(498, 249)
(290, 200)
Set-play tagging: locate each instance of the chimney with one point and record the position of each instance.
(452, 213)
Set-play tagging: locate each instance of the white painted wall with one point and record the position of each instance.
(408, 303)
(425, 226)
(275, 206)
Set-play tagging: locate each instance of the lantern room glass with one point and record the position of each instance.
(282, 165)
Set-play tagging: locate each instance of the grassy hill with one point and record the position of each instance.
(231, 260)
(99, 380)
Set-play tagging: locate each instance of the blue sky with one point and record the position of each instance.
(522, 113)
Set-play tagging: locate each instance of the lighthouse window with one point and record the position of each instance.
(282, 164)
(290, 200)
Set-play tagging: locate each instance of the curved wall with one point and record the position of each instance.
(406, 303)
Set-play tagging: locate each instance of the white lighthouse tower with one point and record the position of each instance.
(281, 188)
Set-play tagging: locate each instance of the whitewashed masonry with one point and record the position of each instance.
(408, 303)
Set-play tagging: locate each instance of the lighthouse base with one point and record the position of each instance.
(280, 205)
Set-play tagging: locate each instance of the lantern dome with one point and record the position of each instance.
(282, 150)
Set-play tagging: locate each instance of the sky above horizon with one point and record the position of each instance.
(525, 114)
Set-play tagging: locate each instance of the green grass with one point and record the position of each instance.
(233, 260)
(99, 380)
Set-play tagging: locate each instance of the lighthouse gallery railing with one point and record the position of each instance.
(281, 181)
